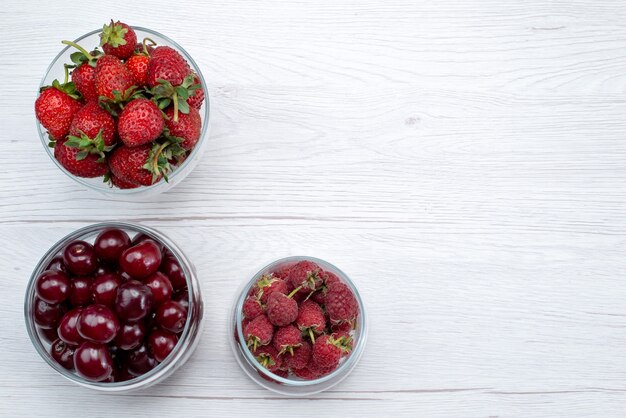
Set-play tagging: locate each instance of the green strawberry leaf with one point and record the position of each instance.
(113, 34)
(81, 155)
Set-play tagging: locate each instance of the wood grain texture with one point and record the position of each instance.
(463, 161)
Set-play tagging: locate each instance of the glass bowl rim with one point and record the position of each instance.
(141, 189)
(162, 368)
(355, 354)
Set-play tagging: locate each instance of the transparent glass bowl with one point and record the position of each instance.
(293, 386)
(186, 344)
(56, 71)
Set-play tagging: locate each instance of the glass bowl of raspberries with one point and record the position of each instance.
(114, 307)
(123, 111)
(299, 326)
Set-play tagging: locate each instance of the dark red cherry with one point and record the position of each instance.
(161, 344)
(160, 286)
(131, 335)
(140, 361)
(93, 361)
(141, 237)
(98, 323)
(63, 353)
(67, 329)
(57, 264)
(141, 260)
(182, 298)
(110, 243)
(102, 269)
(122, 374)
(172, 270)
(80, 291)
(46, 315)
(48, 335)
(133, 301)
(53, 286)
(104, 288)
(80, 258)
(171, 316)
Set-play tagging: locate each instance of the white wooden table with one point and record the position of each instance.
(463, 160)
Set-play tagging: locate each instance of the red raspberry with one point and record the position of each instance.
(327, 351)
(311, 319)
(305, 373)
(268, 357)
(311, 371)
(286, 339)
(267, 285)
(341, 305)
(305, 276)
(300, 358)
(327, 278)
(258, 332)
(252, 308)
(281, 309)
(282, 272)
(342, 328)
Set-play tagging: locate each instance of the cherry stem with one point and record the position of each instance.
(80, 48)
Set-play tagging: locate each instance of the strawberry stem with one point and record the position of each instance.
(80, 48)
(155, 159)
(312, 336)
(145, 44)
(175, 100)
(67, 73)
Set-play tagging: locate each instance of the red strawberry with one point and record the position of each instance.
(55, 109)
(128, 164)
(122, 184)
(92, 119)
(268, 357)
(286, 339)
(300, 357)
(167, 52)
(311, 319)
(252, 308)
(138, 66)
(258, 332)
(340, 303)
(327, 351)
(305, 275)
(267, 285)
(197, 98)
(188, 126)
(83, 77)
(118, 39)
(281, 309)
(79, 163)
(111, 76)
(140, 123)
(164, 69)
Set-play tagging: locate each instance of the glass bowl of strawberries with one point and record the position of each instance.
(123, 111)
(114, 307)
(298, 326)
